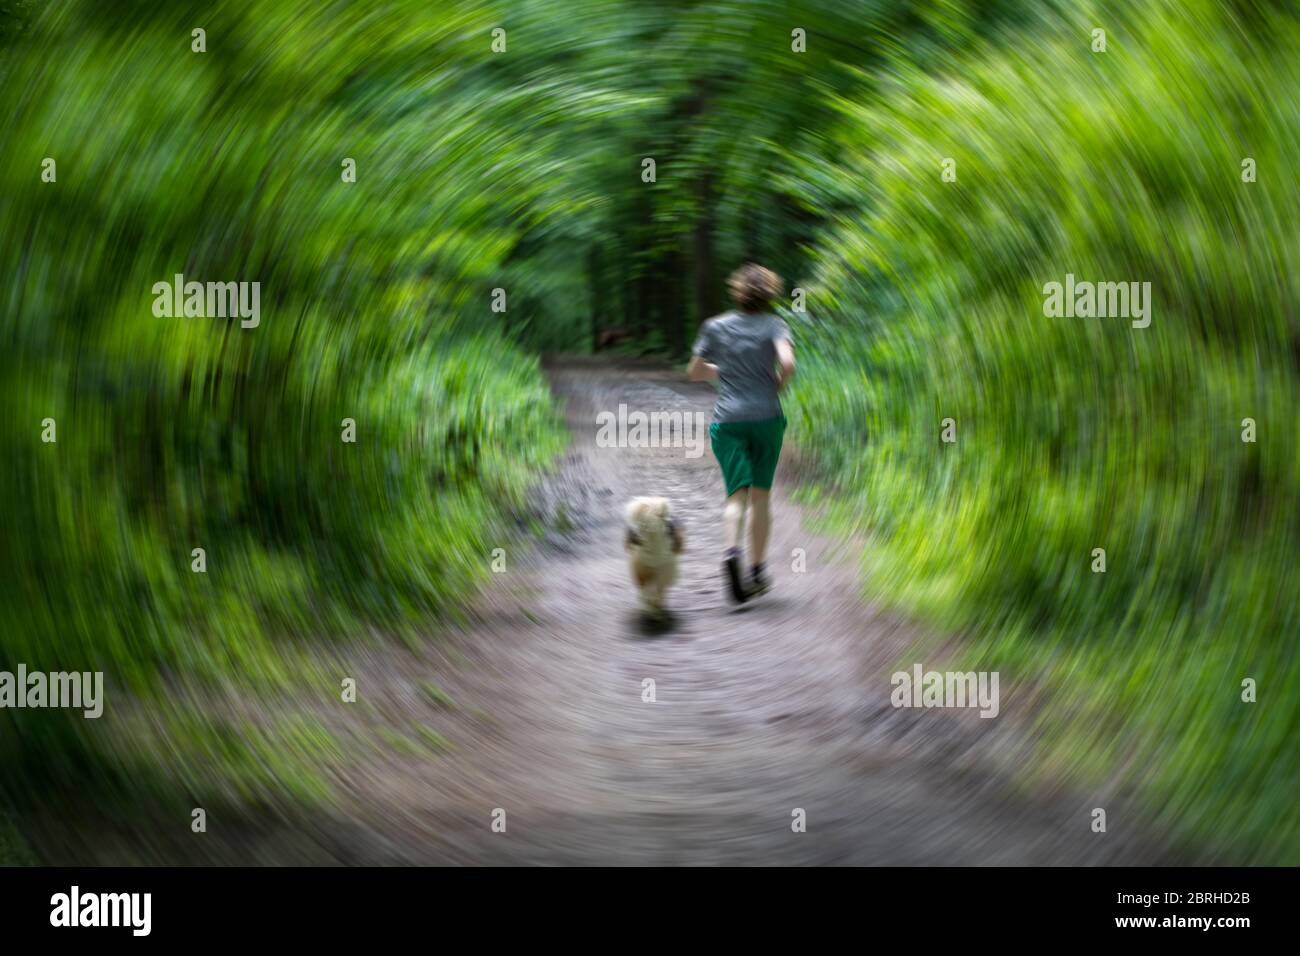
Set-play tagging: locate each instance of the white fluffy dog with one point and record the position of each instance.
(653, 543)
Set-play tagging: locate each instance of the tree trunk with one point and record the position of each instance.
(705, 281)
(596, 287)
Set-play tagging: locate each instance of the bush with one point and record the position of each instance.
(1076, 434)
(181, 433)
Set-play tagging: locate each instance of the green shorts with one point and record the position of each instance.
(747, 451)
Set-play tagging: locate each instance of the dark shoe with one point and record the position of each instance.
(759, 583)
(731, 571)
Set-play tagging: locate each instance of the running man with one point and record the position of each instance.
(750, 354)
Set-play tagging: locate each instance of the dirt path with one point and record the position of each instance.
(781, 704)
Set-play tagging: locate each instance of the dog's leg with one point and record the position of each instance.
(661, 597)
(647, 596)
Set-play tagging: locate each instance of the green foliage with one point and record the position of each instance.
(13, 849)
(182, 433)
(733, 118)
(437, 695)
(15, 18)
(1076, 433)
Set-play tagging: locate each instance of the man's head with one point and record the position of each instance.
(754, 288)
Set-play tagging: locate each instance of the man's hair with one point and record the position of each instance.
(754, 287)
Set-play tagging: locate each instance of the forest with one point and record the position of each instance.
(424, 201)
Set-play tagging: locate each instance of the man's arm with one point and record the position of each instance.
(785, 363)
(700, 370)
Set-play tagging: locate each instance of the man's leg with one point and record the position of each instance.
(733, 530)
(760, 523)
(766, 447)
(733, 520)
(731, 449)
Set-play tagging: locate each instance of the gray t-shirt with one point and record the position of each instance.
(743, 347)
